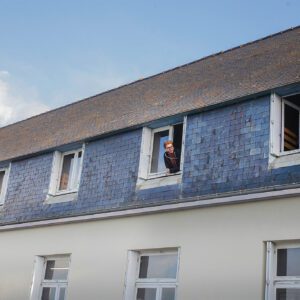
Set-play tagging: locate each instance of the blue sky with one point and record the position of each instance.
(56, 52)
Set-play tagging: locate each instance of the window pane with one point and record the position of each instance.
(168, 294)
(158, 266)
(76, 171)
(288, 262)
(57, 269)
(62, 293)
(146, 294)
(157, 164)
(68, 162)
(288, 294)
(1, 179)
(291, 128)
(48, 293)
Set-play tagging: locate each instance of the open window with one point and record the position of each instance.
(3, 184)
(66, 171)
(159, 136)
(152, 164)
(290, 126)
(69, 171)
(285, 124)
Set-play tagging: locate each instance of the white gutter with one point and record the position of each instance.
(158, 209)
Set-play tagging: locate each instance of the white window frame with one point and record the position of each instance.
(277, 125)
(171, 132)
(147, 151)
(57, 165)
(4, 184)
(133, 282)
(38, 282)
(277, 157)
(285, 102)
(272, 280)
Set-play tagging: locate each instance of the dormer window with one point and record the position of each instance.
(152, 162)
(159, 137)
(65, 176)
(69, 171)
(285, 124)
(3, 184)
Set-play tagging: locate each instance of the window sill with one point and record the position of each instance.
(60, 198)
(161, 180)
(291, 152)
(285, 159)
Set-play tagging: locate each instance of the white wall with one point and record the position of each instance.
(222, 250)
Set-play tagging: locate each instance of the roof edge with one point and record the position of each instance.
(212, 106)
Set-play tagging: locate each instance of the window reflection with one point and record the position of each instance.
(288, 262)
(158, 266)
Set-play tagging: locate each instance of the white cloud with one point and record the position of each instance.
(17, 105)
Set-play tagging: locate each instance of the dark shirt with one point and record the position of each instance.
(172, 162)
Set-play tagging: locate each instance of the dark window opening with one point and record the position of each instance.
(291, 123)
(2, 173)
(177, 140)
(288, 262)
(287, 294)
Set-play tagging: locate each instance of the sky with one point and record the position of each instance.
(55, 52)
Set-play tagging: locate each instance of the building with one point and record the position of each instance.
(88, 210)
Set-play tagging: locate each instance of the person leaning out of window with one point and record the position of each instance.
(171, 157)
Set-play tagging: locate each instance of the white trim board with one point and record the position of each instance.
(190, 203)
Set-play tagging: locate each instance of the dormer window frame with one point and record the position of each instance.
(74, 169)
(146, 154)
(278, 155)
(284, 103)
(73, 182)
(170, 128)
(4, 184)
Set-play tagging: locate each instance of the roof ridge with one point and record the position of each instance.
(158, 74)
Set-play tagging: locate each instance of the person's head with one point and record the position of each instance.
(169, 146)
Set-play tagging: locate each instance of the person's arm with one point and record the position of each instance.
(167, 161)
(170, 166)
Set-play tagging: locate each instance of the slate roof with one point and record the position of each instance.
(252, 68)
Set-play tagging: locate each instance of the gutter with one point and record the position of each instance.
(190, 203)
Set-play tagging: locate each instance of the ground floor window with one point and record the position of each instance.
(51, 277)
(283, 271)
(152, 275)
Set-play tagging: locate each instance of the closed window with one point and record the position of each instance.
(155, 277)
(283, 271)
(50, 277)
